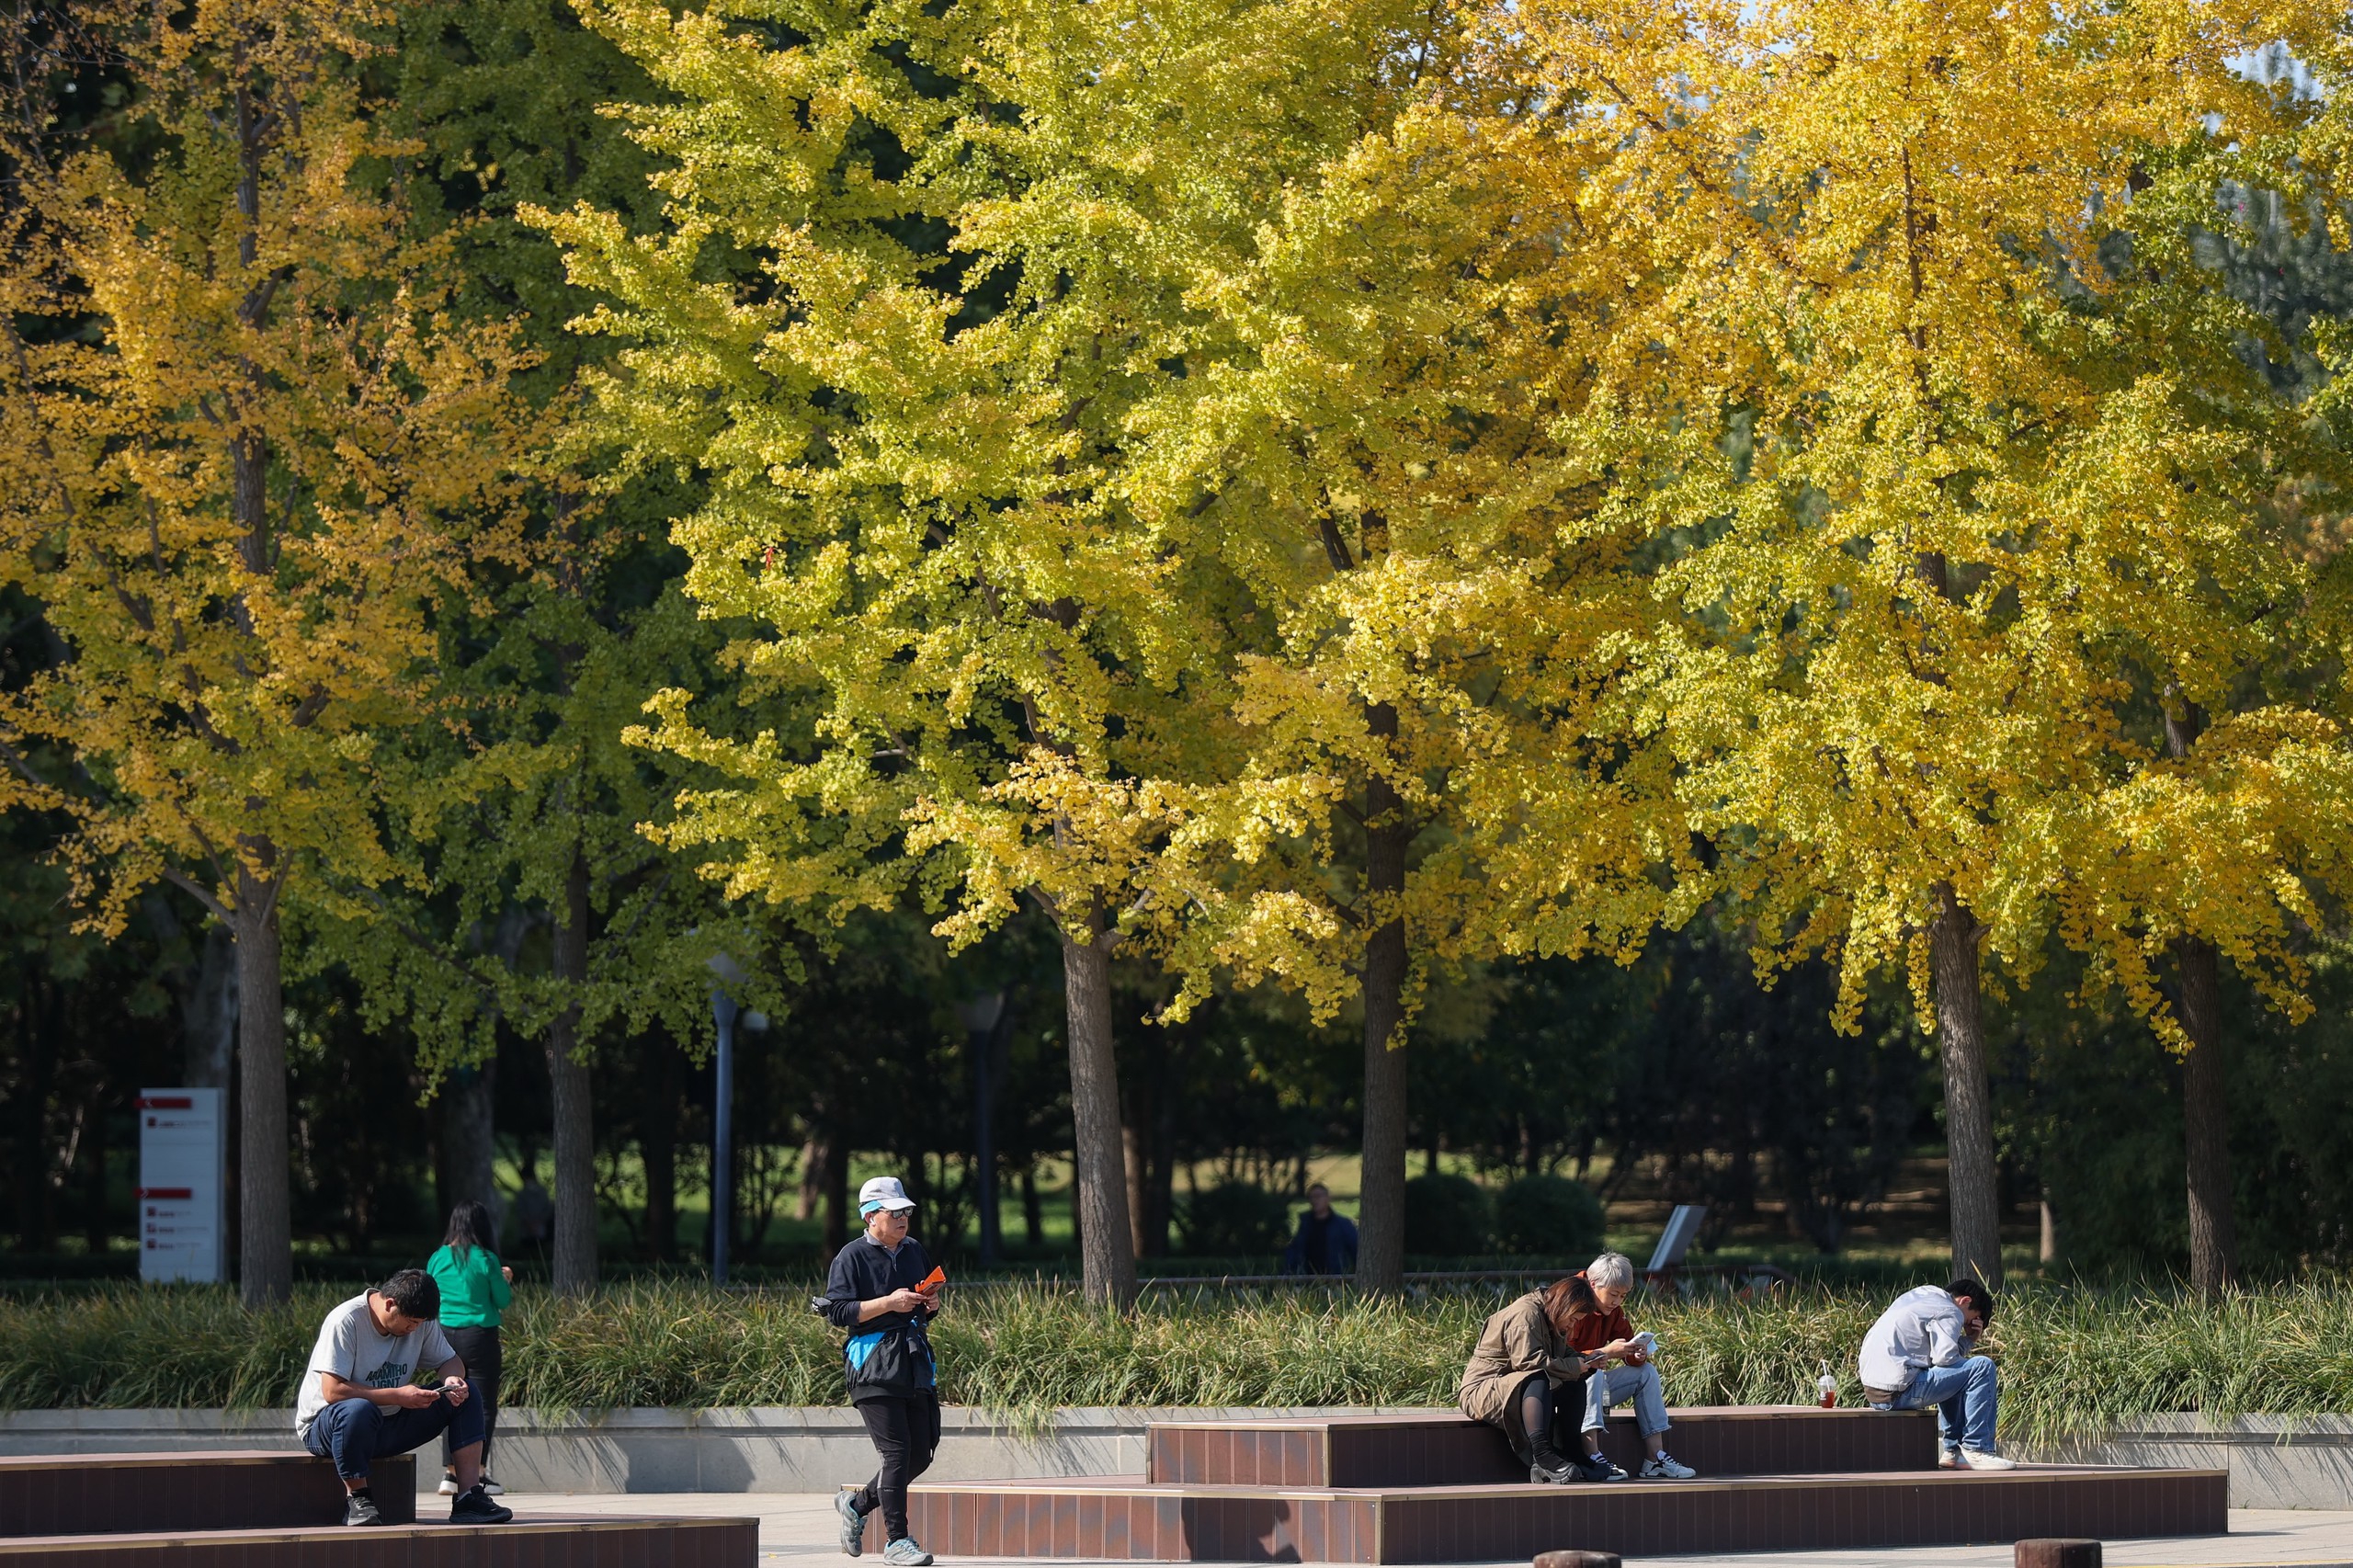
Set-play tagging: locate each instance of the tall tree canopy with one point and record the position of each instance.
(250, 453)
(1967, 489)
(905, 426)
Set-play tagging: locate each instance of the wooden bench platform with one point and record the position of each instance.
(542, 1541)
(59, 1495)
(273, 1509)
(1444, 1447)
(1133, 1519)
(1431, 1486)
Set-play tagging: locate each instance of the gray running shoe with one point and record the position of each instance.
(853, 1523)
(1666, 1468)
(905, 1554)
(1559, 1473)
(359, 1508)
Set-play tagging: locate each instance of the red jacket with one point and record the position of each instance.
(1597, 1329)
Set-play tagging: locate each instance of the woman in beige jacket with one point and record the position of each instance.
(1525, 1376)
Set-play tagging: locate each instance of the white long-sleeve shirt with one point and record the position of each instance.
(1923, 1328)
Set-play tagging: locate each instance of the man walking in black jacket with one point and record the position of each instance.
(876, 1292)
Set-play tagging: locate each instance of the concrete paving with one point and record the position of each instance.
(797, 1526)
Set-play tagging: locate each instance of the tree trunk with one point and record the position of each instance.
(574, 1267)
(1969, 1100)
(811, 1191)
(1134, 1160)
(36, 1215)
(209, 1012)
(95, 1215)
(1107, 1250)
(1033, 1211)
(468, 1148)
(2205, 1094)
(1381, 1253)
(264, 1219)
(2206, 1122)
(836, 1232)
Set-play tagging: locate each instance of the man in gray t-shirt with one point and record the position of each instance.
(360, 1401)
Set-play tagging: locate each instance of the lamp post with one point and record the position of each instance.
(724, 1012)
(980, 1016)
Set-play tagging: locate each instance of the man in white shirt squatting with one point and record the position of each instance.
(1920, 1353)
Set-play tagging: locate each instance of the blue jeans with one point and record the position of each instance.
(1614, 1384)
(1965, 1397)
(355, 1432)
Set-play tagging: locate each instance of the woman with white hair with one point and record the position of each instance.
(1610, 1337)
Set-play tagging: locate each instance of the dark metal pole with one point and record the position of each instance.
(723, 1133)
(984, 1043)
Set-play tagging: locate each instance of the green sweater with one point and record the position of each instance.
(472, 1289)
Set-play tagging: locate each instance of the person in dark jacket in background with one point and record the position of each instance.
(1326, 1242)
(874, 1291)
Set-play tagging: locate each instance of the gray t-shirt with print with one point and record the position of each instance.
(350, 1347)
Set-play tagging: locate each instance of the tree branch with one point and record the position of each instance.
(202, 895)
(1336, 549)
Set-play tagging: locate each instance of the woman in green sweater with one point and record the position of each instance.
(474, 1287)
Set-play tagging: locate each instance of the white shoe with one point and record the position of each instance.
(491, 1487)
(448, 1487)
(1980, 1459)
(1948, 1458)
(1666, 1468)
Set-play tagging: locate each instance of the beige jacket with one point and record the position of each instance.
(1517, 1341)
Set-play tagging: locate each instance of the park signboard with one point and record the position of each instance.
(183, 1160)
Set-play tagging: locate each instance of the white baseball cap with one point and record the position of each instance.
(884, 1192)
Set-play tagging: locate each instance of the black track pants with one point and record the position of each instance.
(479, 1350)
(906, 1434)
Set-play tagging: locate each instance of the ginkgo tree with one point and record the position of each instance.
(249, 449)
(1385, 431)
(1966, 490)
(543, 908)
(907, 425)
(1186, 535)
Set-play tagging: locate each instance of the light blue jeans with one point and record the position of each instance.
(1615, 1384)
(1965, 1397)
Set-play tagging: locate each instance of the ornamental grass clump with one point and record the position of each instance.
(2075, 1361)
(156, 1346)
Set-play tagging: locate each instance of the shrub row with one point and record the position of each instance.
(2073, 1361)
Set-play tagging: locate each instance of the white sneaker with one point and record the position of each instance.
(1980, 1459)
(1948, 1458)
(1666, 1468)
(491, 1487)
(448, 1487)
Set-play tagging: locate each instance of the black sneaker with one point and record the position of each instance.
(1597, 1467)
(475, 1507)
(359, 1508)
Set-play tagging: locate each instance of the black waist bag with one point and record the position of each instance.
(894, 1360)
